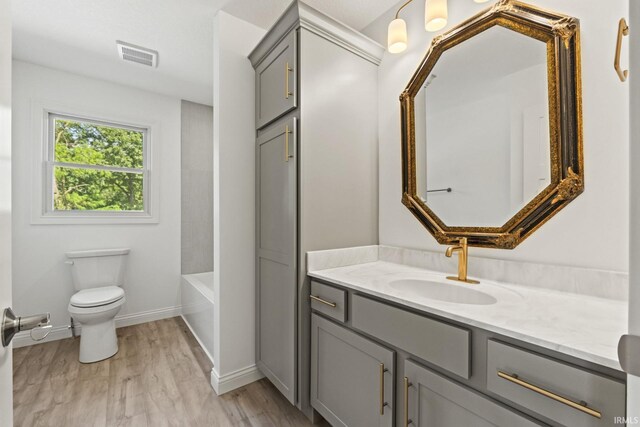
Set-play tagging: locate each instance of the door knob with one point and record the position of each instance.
(40, 324)
(629, 354)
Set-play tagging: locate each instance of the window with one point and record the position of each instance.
(96, 168)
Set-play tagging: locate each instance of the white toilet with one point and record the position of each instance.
(98, 277)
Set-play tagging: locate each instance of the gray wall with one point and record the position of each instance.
(197, 188)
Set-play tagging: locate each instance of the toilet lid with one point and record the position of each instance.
(97, 296)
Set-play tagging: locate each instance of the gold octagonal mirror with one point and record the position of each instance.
(491, 126)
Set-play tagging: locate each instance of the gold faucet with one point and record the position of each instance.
(463, 254)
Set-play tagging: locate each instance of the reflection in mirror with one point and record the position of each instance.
(482, 129)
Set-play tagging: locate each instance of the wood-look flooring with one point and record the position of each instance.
(159, 377)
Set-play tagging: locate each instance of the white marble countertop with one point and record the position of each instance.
(582, 326)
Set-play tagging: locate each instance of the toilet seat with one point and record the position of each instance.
(96, 297)
(99, 310)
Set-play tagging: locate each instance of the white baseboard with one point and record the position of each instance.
(202, 346)
(22, 339)
(148, 316)
(234, 380)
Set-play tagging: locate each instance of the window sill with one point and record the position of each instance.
(94, 219)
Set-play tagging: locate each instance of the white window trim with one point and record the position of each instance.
(42, 211)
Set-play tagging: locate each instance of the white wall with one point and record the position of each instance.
(488, 149)
(234, 202)
(41, 280)
(482, 191)
(592, 231)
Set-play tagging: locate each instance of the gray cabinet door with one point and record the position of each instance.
(351, 377)
(276, 82)
(276, 216)
(433, 400)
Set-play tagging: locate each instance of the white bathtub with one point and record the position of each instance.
(198, 306)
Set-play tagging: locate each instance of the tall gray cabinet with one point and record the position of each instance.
(317, 176)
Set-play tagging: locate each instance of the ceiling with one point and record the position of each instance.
(80, 35)
(355, 13)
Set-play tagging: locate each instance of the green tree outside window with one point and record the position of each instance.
(113, 180)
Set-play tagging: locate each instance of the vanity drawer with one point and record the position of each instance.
(436, 342)
(552, 388)
(329, 301)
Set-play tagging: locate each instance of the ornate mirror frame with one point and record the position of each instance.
(562, 37)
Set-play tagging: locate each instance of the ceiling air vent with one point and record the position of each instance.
(140, 55)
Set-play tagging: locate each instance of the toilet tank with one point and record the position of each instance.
(96, 268)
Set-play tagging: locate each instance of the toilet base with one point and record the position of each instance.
(98, 342)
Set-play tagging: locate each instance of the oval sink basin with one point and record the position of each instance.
(442, 291)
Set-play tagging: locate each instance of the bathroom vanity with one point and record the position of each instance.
(398, 345)
(491, 149)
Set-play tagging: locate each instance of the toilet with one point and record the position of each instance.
(98, 276)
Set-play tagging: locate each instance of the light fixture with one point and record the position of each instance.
(397, 36)
(397, 33)
(435, 15)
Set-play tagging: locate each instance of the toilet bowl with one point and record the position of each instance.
(98, 277)
(95, 310)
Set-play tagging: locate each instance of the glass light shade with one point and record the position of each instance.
(435, 15)
(397, 36)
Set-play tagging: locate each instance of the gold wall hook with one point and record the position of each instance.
(623, 30)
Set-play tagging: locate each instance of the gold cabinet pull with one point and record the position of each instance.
(623, 30)
(382, 402)
(287, 156)
(287, 70)
(580, 406)
(323, 301)
(286, 143)
(407, 384)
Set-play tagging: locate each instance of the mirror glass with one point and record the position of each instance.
(482, 129)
